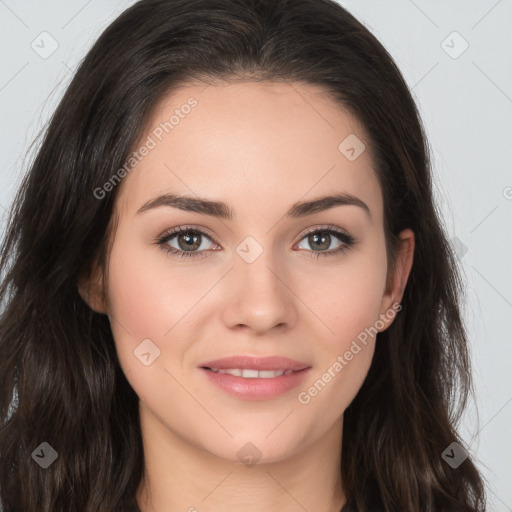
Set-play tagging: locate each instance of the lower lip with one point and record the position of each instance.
(256, 389)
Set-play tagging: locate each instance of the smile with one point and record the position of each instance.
(249, 378)
(252, 374)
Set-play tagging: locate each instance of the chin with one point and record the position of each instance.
(251, 450)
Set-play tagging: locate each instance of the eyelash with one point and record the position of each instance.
(347, 241)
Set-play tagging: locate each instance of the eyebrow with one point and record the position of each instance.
(223, 211)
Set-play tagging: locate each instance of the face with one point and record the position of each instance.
(275, 280)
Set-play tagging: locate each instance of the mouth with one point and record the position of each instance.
(253, 378)
(247, 373)
(259, 364)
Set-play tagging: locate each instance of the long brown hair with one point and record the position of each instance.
(60, 379)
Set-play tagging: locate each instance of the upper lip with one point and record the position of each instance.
(255, 363)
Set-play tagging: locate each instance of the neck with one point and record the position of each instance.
(182, 477)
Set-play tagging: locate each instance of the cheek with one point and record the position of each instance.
(347, 298)
(148, 300)
(349, 306)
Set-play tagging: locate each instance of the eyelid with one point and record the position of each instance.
(345, 237)
(189, 227)
(209, 233)
(327, 227)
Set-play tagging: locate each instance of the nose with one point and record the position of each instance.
(259, 295)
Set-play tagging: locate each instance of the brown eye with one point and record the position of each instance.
(320, 241)
(186, 242)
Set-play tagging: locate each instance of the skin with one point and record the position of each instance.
(259, 147)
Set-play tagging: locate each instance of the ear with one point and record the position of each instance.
(91, 289)
(397, 279)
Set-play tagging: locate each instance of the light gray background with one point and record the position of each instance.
(465, 100)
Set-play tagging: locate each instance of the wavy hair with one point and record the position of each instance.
(60, 379)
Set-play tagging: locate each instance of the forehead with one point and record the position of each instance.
(248, 144)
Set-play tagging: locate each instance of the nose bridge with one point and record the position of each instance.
(256, 267)
(258, 297)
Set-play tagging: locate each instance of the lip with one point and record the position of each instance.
(256, 388)
(255, 363)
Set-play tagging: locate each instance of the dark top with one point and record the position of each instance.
(373, 495)
(133, 507)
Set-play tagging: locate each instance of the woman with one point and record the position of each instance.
(226, 286)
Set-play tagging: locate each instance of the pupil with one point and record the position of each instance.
(322, 236)
(190, 241)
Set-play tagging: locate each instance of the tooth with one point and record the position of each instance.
(235, 371)
(268, 374)
(250, 374)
